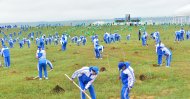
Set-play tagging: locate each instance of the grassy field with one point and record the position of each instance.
(159, 82)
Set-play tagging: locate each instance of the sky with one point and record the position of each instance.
(63, 10)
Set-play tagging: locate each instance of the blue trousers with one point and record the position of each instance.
(65, 45)
(97, 52)
(91, 90)
(159, 59)
(112, 40)
(144, 42)
(124, 92)
(42, 45)
(63, 48)
(78, 43)
(168, 60)
(157, 41)
(84, 42)
(28, 45)
(178, 37)
(7, 61)
(128, 38)
(42, 67)
(106, 40)
(20, 45)
(11, 45)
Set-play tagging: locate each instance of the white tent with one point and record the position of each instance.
(99, 23)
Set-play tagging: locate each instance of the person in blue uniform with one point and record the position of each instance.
(64, 42)
(98, 49)
(42, 63)
(144, 40)
(159, 52)
(166, 52)
(86, 77)
(84, 41)
(11, 43)
(28, 42)
(127, 78)
(6, 54)
(42, 43)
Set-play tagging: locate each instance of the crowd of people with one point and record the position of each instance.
(87, 75)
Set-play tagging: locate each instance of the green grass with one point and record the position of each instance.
(161, 82)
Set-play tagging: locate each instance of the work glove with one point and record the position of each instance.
(84, 90)
(72, 80)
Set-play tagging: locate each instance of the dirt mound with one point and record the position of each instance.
(171, 48)
(155, 65)
(112, 97)
(113, 48)
(142, 97)
(29, 78)
(142, 77)
(102, 69)
(58, 89)
(136, 52)
(76, 52)
(148, 76)
(13, 72)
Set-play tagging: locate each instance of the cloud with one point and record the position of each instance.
(59, 10)
(183, 11)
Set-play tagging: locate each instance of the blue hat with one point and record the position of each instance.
(121, 64)
(95, 69)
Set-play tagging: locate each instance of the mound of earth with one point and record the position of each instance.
(29, 78)
(102, 69)
(58, 89)
(76, 52)
(136, 52)
(142, 77)
(155, 65)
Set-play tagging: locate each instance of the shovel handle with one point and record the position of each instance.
(78, 86)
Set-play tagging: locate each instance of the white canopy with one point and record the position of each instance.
(99, 23)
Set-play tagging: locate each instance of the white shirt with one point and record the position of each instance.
(131, 76)
(162, 45)
(166, 50)
(101, 47)
(84, 70)
(43, 54)
(95, 42)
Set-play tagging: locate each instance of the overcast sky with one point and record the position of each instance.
(60, 10)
